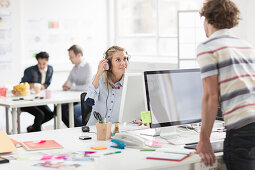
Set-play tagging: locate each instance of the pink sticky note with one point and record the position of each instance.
(155, 143)
(47, 157)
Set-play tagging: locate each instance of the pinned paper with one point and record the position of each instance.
(146, 116)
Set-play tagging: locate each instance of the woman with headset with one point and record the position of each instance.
(104, 93)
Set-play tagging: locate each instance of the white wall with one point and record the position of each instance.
(246, 27)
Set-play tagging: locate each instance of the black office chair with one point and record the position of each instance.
(85, 110)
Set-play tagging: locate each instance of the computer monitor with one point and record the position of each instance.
(174, 96)
(133, 100)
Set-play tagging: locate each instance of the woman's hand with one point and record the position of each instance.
(100, 71)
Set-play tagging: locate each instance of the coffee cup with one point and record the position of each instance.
(37, 87)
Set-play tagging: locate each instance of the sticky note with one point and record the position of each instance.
(155, 143)
(146, 116)
(98, 148)
(22, 159)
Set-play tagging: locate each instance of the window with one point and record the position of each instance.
(148, 28)
(191, 34)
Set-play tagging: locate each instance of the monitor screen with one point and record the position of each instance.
(133, 99)
(174, 96)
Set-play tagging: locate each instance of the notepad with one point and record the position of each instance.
(167, 156)
(35, 145)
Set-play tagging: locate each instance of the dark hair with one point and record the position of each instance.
(42, 55)
(221, 13)
(76, 49)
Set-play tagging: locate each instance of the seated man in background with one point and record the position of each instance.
(40, 73)
(78, 80)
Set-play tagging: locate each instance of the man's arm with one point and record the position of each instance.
(49, 75)
(27, 76)
(209, 112)
(68, 84)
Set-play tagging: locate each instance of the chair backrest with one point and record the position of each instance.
(85, 110)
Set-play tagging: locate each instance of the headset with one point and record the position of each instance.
(110, 60)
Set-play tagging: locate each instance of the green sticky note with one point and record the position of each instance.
(146, 116)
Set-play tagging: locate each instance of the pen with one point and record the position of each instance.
(112, 153)
(148, 150)
(191, 143)
(40, 141)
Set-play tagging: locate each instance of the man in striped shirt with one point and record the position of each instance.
(228, 74)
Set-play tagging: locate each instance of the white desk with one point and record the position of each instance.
(56, 97)
(127, 160)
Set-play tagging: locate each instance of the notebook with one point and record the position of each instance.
(168, 156)
(216, 146)
(16, 143)
(39, 145)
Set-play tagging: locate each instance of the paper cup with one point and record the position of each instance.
(37, 87)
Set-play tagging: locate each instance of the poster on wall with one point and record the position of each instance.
(5, 32)
(55, 37)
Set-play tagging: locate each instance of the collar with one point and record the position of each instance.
(83, 62)
(221, 32)
(44, 70)
(118, 84)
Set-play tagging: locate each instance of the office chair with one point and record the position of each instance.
(85, 110)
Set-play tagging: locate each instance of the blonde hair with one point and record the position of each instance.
(108, 55)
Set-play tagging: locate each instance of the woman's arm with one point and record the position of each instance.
(100, 71)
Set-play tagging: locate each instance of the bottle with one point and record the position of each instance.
(116, 130)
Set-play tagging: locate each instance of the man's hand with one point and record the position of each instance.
(43, 87)
(31, 85)
(67, 86)
(204, 149)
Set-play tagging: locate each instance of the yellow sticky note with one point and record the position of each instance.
(146, 116)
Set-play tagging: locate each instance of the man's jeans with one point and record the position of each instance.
(77, 114)
(239, 148)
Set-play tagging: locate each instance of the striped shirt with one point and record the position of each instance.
(233, 60)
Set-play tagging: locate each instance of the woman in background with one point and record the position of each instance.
(104, 93)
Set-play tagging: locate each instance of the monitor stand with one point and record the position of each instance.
(165, 131)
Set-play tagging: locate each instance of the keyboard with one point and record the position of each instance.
(132, 127)
(191, 137)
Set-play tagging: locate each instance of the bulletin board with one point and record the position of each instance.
(53, 27)
(5, 35)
